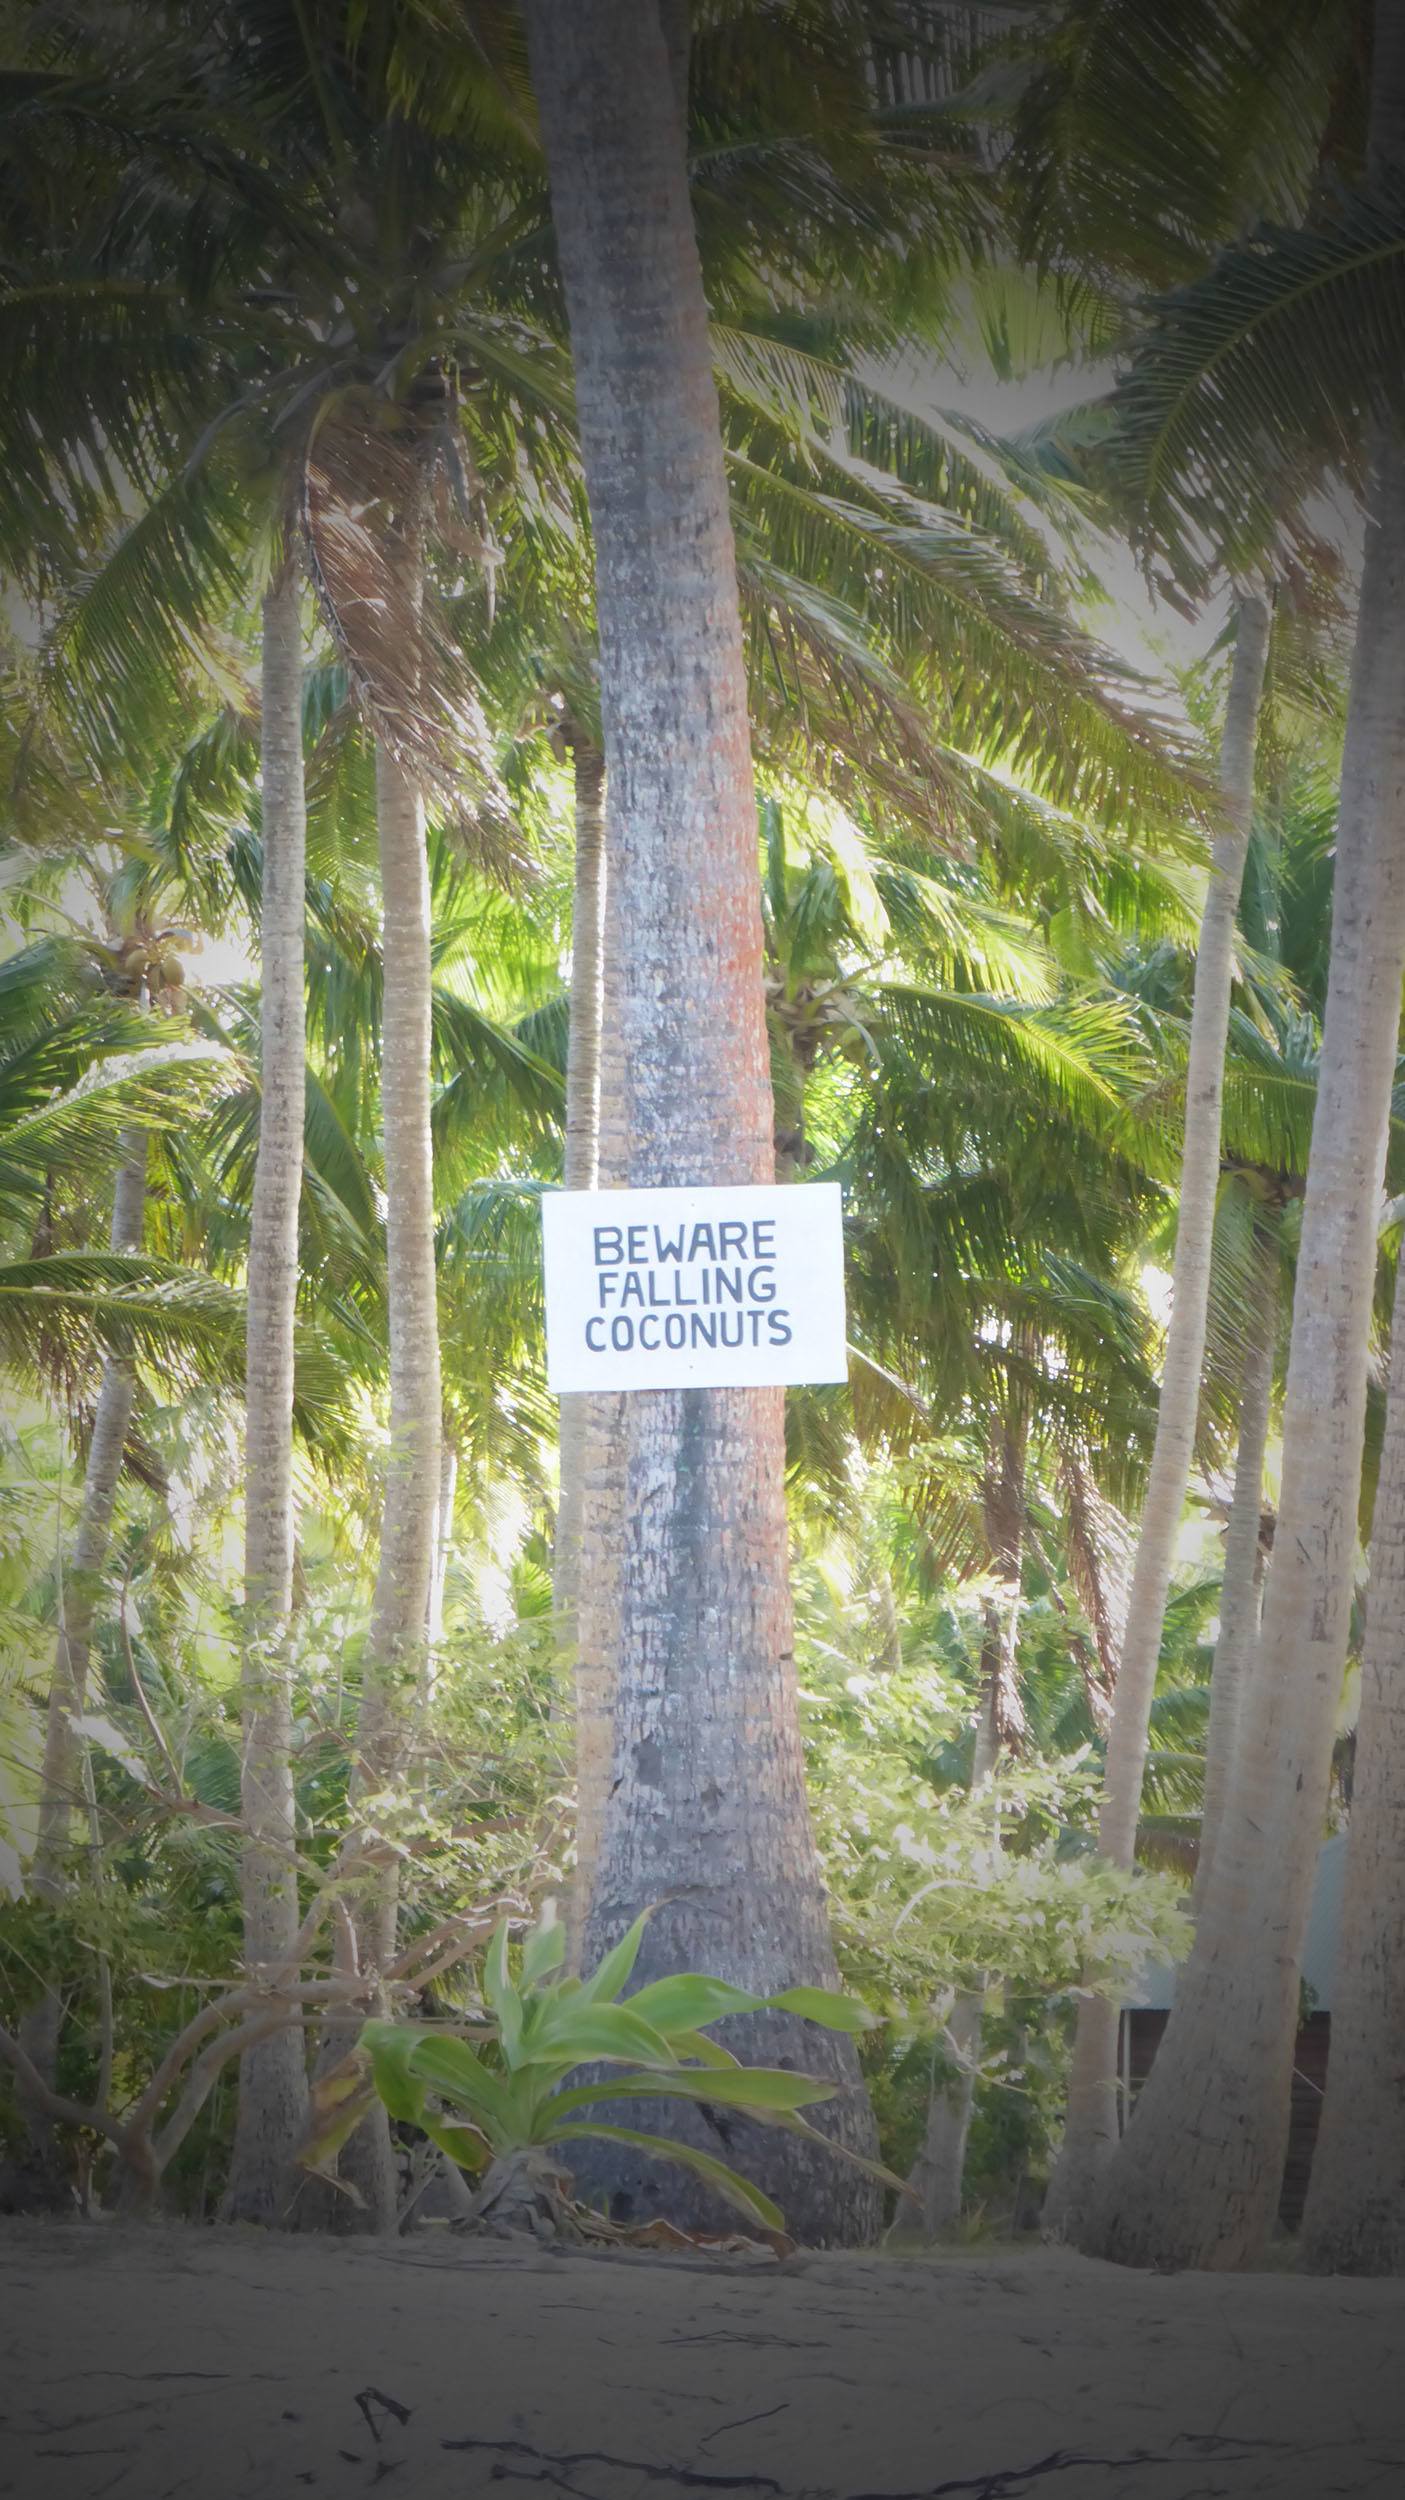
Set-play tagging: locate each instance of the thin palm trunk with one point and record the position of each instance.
(1354, 2222)
(1243, 1554)
(395, 1647)
(939, 2172)
(272, 2076)
(1091, 2128)
(1196, 2179)
(706, 1814)
(600, 1568)
(40, 2176)
(410, 1509)
(443, 1545)
(582, 1159)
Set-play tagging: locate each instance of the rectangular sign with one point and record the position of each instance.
(694, 1288)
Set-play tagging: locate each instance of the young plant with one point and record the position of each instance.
(507, 2102)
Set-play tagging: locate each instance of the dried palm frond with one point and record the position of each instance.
(370, 474)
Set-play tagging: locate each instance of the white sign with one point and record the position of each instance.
(694, 1288)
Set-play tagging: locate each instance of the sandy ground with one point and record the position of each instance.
(228, 2366)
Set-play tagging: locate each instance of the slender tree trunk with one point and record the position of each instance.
(939, 2171)
(706, 1815)
(1196, 2179)
(600, 1578)
(1355, 2217)
(38, 2178)
(1240, 1590)
(940, 2168)
(1091, 2128)
(443, 1541)
(395, 1649)
(410, 1512)
(272, 2076)
(582, 1161)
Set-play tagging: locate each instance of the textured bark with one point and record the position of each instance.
(38, 2178)
(410, 1510)
(443, 1546)
(582, 1160)
(1354, 2222)
(1196, 2179)
(272, 2076)
(601, 1557)
(706, 1815)
(1243, 1552)
(395, 1649)
(1091, 2128)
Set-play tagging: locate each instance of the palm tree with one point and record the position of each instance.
(581, 1160)
(1196, 2178)
(72, 1078)
(1242, 1585)
(940, 2167)
(1092, 2109)
(273, 2076)
(709, 1802)
(1354, 2222)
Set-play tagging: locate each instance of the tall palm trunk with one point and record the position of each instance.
(410, 1508)
(939, 2170)
(1355, 2217)
(272, 2076)
(707, 1814)
(600, 1564)
(413, 1486)
(582, 1160)
(39, 2174)
(443, 1544)
(1091, 2128)
(1196, 2179)
(1243, 1553)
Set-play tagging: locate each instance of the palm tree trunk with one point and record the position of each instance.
(272, 2076)
(706, 1814)
(582, 1161)
(939, 2170)
(443, 1542)
(1196, 2179)
(410, 1509)
(937, 2174)
(1354, 2222)
(1091, 2127)
(395, 1648)
(39, 2177)
(1243, 1576)
(600, 1566)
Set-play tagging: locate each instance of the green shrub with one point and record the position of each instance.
(505, 2094)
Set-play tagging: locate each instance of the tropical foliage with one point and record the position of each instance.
(331, 905)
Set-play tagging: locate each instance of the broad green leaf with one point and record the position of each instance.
(544, 1951)
(501, 1994)
(822, 2005)
(391, 2047)
(465, 2145)
(729, 2183)
(758, 2088)
(609, 1976)
(578, 2031)
(793, 2124)
(688, 2000)
(697, 2044)
(450, 2066)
